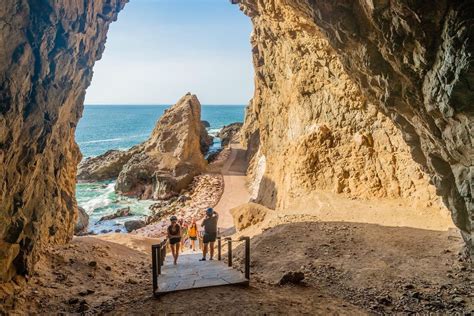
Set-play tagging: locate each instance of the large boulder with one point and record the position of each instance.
(206, 139)
(82, 222)
(167, 162)
(130, 226)
(248, 214)
(228, 133)
(104, 167)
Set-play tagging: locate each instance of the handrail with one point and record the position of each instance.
(157, 259)
(229, 252)
(158, 253)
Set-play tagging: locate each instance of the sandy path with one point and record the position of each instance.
(235, 190)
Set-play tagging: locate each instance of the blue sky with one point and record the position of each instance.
(160, 49)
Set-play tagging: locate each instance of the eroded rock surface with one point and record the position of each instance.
(47, 51)
(104, 167)
(168, 161)
(229, 132)
(349, 93)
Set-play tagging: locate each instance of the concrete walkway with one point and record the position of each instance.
(190, 273)
(235, 189)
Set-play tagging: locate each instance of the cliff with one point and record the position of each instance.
(363, 98)
(47, 51)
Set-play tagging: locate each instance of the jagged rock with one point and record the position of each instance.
(375, 104)
(133, 225)
(206, 140)
(47, 52)
(292, 278)
(123, 212)
(82, 222)
(104, 167)
(229, 133)
(167, 162)
(248, 214)
(206, 124)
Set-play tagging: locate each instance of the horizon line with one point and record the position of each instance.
(159, 104)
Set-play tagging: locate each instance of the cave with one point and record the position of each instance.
(409, 61)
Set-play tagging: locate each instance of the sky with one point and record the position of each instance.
(158, 50)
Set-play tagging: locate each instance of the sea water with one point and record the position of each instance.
(105, 127)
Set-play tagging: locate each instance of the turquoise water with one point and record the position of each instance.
(105, 127)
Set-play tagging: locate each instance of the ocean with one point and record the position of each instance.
(105, 127)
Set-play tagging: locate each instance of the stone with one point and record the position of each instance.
(229, 133)
(168, 161)
(104, 167)
(292, 278)
(206, 124)
(248, 214)
(134, 225)
(82, 222)
(92, 264)
(123, 212)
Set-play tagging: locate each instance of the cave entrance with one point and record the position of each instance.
(155, 53)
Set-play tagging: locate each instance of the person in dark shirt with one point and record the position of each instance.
(210, 233)
(174, 236)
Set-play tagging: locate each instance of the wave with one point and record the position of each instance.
(108, 140)
(102, 200)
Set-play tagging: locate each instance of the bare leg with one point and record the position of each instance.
(177, 253)
(173, 251)
(204, 251)
(211, 250)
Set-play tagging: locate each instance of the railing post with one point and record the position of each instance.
(154, 267)
(158, 258)
(219, 248)
(247, 258)
(229, 251)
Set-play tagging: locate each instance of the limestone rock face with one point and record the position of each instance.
(350, 93)
(228, 133)
(47, 51)
(248, 214)
(168, 161)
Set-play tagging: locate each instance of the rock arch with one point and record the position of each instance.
(413, 62)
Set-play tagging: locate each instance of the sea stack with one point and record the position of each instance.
(168, 161)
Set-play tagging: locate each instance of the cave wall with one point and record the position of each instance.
(47, 51)
(349, 94)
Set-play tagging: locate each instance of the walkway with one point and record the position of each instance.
(235, 189)
(190, 273)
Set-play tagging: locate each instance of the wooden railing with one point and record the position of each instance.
(158, 254)
(229, 252)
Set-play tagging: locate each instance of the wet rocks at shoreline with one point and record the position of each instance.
(123, 212)
(82, 222)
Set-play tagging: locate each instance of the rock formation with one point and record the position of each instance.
(168, 161)
(350, 76)
(109, 165)
(104, 167)
(229, 132)
(350, 93)
(47, 52)
(82, 222)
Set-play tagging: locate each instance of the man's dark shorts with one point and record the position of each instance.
(209, 237)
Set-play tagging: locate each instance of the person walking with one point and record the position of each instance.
(210, 233)
(193, 234)
(184, 232)
(174, 236)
